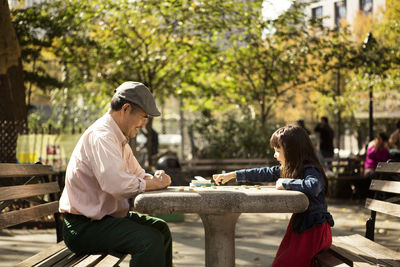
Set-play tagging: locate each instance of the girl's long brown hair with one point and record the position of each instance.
(298, 150)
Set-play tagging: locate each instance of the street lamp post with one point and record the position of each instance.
(369, 42)
(371, 114)
(367, 45)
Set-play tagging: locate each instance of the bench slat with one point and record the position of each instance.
(382, 206)
(326, 258)
(24, 170)
(91, 260)
(353, 258)
(19, 216)
(68, 260)
(111, 260)
(366, 249)
(29, 190)
(59, 259)
(42, 255)
(385, 186)
(390, 167)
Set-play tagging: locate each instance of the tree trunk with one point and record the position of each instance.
(152, 143)
(13, 111)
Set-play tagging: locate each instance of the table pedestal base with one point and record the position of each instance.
(220, 239)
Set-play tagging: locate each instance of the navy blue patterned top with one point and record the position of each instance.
(312, 184)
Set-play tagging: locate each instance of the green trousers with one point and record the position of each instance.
(146, 238)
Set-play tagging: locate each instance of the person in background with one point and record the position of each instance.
(325, 137)
(308, 232)
(302, 125)
(377, 151)
(394, 139)
(103, 174)
(394, 143)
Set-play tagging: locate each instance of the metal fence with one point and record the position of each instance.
(49, 145)
(9, 131)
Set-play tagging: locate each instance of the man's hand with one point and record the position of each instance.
(160, 180)
(159, 173)
(164, 178)
(148, 176)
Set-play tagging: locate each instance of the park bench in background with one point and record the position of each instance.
(356, 250)
(30, 192)
(348, 179)
(219, 165)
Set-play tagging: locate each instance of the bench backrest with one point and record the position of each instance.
(387, 193)
(346, 166)
(26, 193)
(224, 164)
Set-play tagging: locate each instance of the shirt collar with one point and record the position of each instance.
(115, 129)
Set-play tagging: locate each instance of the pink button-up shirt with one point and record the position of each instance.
(102, 173)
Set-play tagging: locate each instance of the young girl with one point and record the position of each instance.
(309, 232)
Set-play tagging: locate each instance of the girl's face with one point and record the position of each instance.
(279, 155)
(379, 141)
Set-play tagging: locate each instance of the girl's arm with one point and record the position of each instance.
(265, 174)
(312, 184)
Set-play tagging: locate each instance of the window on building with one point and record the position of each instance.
(317, 12)
(12, 4)
(340, 12)
(29, 3)
(366, 6)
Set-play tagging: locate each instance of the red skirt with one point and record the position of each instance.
(299, 249)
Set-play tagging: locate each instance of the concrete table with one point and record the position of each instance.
(219, 208)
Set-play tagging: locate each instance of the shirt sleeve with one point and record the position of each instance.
(265, 174)
(312, 184)
(110, 170)
(372, 154)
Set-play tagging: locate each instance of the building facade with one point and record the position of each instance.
(334, 11)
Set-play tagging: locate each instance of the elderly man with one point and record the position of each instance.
(103, 174)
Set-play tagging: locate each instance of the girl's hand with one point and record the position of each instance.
(223, 177)
(279, 185)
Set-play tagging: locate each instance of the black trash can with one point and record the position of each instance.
(170, 164)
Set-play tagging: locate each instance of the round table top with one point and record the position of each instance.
(221, 199)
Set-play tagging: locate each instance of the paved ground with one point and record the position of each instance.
(257, 236)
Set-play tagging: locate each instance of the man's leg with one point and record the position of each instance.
(147, 239)
(162, 227)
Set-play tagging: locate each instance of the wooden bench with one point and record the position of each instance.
(348, 179)
(30, 192)
(356, 250)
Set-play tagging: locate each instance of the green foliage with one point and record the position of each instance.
(257, 62)
(232, 137)
(100, 44)
(35, 33)
(215, 55)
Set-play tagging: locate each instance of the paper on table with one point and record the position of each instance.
(199, 178)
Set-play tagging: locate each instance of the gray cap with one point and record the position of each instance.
(137, 93)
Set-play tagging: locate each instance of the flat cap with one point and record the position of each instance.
(137, 93)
